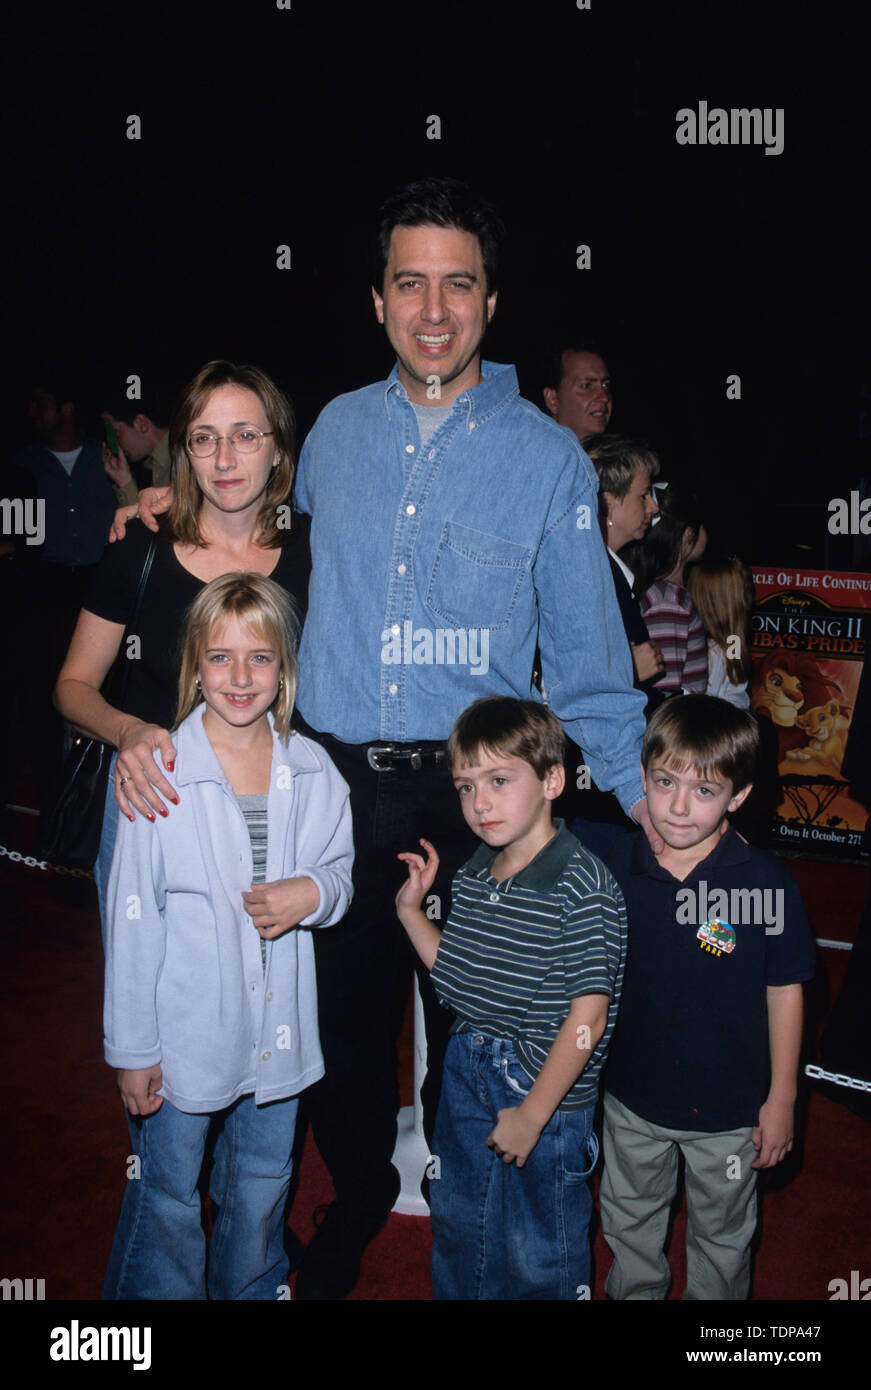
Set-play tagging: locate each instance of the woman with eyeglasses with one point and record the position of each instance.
(231, 443)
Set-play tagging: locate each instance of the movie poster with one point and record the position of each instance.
(809, 634)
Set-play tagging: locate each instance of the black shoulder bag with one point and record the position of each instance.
(72, 817)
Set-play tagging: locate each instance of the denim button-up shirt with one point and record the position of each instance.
(437, 570)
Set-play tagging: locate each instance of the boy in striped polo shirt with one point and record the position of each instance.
(531, 962)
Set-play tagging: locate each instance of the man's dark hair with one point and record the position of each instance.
(706, 734)
(516, 728)
(156, 405)
(61, 386)
(440, 202)
(553, 364)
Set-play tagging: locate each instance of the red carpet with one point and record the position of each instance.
(64, 1144)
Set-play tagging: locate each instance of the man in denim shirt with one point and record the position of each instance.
(453, 531)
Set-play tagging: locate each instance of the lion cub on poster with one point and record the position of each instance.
(826, 729)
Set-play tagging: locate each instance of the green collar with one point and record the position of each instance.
(542, 873)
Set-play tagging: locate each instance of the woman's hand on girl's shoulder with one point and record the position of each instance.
(138, 777)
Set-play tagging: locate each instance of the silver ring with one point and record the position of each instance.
(123, 780)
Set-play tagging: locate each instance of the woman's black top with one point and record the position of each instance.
(151, 691)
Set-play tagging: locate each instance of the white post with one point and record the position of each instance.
(411, 1153)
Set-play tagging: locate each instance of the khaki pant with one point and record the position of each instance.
(638, 1184)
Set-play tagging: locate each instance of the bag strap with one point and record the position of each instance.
(140, 593)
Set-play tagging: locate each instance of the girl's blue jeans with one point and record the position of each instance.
(159, 1251)
(499, 1231)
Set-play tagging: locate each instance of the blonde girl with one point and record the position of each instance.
(210, 1006)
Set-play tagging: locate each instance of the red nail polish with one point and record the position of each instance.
(150, 815)
(174, 800)
(164, 812)
(170, 767)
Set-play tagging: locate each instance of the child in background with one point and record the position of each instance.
(658, 563)
(722, 592)
(531, 962)
(705, 1054)
(211, 1007)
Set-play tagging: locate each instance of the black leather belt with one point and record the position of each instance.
(387, 757)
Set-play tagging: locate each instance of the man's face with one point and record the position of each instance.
(133, 440)
(435, 308)
(582, 401)
(43, 411)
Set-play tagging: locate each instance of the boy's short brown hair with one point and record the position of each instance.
(704, 733)
(517, 728)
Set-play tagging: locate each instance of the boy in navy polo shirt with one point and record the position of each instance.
(531, 962)
(706, 1050)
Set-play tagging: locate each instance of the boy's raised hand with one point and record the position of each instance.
(421, 877)
(515, 1135)
(139, 1089)
(424, 936)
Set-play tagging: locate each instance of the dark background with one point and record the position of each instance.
(263, 126)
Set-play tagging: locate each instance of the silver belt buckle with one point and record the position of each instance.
(372, 759)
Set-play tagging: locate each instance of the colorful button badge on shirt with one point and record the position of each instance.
(716, 937)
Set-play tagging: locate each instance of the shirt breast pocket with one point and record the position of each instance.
(476, 577)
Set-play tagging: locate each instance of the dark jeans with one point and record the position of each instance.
(363, 973)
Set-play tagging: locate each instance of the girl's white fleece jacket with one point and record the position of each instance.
(185, 985)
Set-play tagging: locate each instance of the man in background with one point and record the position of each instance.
(577, 390)
(143, 456)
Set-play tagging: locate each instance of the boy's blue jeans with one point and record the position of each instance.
(502, 1232)
(159, 1251)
